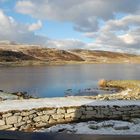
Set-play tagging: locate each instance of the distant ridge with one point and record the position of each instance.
(35, 54)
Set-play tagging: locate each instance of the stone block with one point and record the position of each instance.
(61, 111)
(7, 115)
(37, 119)
(25, 118)
(19, 124)
(52, 111)
(5, 127)
(70, 115)
(11, 120)
(57, 116)
(25, 113)
(45, 118)
(2, 122)
(71, 110)
(89, 108)
(19, 118)
(39, 113)
(52, 121)
(41, 124)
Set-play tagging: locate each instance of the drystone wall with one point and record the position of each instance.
(29, 120)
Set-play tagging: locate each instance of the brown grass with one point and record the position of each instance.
(102, 83)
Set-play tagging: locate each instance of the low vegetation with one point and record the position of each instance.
(21, 55)
(129, 90)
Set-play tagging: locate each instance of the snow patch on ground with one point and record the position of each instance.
(103, 127)
(60, 102)
(125, 92)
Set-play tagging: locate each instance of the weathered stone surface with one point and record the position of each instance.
(61, 120)
(117, 113)
(12, 120)
(25, 113)
(25, 127)
(83, 117)
(12, 129)
(90, 112)
(56, 116)
(124, 109)
(29, 122)
(78, 114)
(4, 127)
(69, 119)
(2, 122)
(19, 124)
(31, 116)
(52, 121)
(71, 110)
(45, 118)
(7, 115)
(19, 118)
(41, 124)
(37, 119)
(25, 118)
(61, 111)
(89, 108)
(52, 111)
(90, 116)
(135, 115)
(81, 109)
(70, 115)
(32, 112)
(39, 113)
(17, 114)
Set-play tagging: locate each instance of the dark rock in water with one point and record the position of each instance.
(23, 95)
(95, 127)
(1, 90)
(125, 127)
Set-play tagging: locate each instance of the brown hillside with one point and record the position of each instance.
(12, 56)
(48, 54)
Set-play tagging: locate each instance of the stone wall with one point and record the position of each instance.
(29, 120)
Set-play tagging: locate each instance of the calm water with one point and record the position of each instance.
(53, 81)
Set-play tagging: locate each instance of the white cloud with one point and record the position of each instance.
(118, 35)
(66, 44)
(35, 26)
(22, 33)
(127, 38)
(83, 13)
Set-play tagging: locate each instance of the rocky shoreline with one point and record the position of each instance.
(128, 90)
(113, 90)
(25, 113)
(14, 96)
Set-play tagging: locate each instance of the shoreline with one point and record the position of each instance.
(41, 63)
(36, 114)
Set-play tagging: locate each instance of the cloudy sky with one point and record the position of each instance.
(111, 25)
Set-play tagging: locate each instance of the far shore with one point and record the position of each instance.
(58, 63)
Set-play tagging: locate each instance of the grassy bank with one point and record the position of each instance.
(129, 90)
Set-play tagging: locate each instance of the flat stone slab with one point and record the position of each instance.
(27, 104)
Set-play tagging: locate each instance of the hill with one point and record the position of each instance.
(106, 56)
(15, 54)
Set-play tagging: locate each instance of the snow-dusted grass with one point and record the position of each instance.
(60, 102)
(8, 96)
(104, 127)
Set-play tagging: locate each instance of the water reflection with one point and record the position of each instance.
(53, 81)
